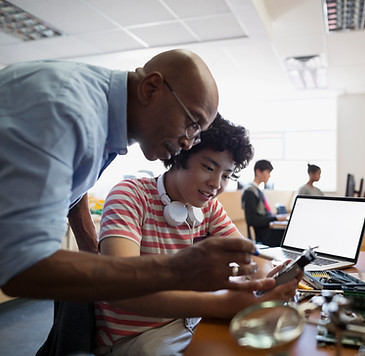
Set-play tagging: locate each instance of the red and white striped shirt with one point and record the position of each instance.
(134, 210)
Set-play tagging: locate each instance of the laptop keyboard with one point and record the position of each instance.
(318, 261)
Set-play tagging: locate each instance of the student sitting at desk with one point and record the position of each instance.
(162, 216)
(314, 174)
(257, 211)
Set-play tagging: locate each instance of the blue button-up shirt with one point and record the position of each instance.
(59, 124)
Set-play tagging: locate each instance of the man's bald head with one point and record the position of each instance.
(187, 73)
(172, 92)
(177, 61)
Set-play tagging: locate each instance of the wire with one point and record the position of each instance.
(190, 233)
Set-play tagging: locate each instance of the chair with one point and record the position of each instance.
(231, 201)
(251, 233)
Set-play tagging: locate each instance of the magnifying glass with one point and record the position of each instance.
(268, 325)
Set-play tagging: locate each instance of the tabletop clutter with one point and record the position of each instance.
(332, 300)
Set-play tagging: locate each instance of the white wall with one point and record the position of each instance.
(350, 150)
(350, 139)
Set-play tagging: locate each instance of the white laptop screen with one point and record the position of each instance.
(334, 224)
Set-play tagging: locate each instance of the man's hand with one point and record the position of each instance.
(205, 265)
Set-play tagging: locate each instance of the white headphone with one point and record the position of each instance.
(176, 213)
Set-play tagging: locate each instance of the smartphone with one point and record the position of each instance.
(290, 271)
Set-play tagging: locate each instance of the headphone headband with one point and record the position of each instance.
(162, 191)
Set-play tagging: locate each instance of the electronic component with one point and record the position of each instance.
(331, 279)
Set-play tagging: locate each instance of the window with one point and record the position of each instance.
(133, 164)
(291, 134)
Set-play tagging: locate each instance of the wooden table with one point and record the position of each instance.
(212, 337)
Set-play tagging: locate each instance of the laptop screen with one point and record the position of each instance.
(334, 224)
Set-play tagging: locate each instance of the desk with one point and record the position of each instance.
(278, 225)
(212, 337)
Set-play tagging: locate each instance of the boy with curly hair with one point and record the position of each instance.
(162, 216)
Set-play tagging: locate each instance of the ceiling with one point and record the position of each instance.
(244, 42)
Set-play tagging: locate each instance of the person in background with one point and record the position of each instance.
(314, 173)
(257, 211)
(164, 215)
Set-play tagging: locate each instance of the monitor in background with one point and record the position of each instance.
(359, 192)
(350, 186)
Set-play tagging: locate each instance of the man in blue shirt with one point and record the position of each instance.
(61, 124)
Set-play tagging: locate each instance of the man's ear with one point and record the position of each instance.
(150, 86)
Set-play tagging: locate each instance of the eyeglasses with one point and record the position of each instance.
(193, 130)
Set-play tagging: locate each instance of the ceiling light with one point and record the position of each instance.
(21, 24)
(344, 15)
(307, 72)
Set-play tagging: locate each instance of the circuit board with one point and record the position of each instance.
(331, 279)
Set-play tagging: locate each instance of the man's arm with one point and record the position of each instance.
(82, 226)
(81, 276)
(179, 304)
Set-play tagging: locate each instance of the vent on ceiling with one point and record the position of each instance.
(344, 15)
(23, 25)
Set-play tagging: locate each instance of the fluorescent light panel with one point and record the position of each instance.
(21, 24)
(344, 15)
(307, 72)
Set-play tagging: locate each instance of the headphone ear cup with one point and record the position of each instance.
(175, 213)
(195, 216)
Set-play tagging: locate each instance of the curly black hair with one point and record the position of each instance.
(221, 135)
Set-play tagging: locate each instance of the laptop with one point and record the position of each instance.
(334, 224)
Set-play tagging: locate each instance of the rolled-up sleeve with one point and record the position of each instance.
(47, 151)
